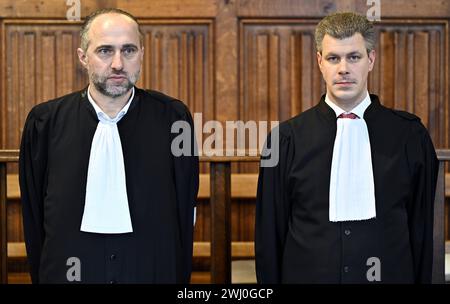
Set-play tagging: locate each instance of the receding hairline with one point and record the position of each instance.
(113, 13)
(88, 27)
(97, 19)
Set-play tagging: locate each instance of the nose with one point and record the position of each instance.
(117, 63)
(343, 67)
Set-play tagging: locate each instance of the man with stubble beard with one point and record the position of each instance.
(104, 198)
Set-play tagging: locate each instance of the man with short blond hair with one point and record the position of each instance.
(351, 199)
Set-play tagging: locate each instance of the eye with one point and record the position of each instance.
(104, 51)
(354, 58)
(129, 51)
(332, 59)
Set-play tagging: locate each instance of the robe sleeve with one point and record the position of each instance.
(32, 180)
(272, 213)
(186, 172)
(424, 166)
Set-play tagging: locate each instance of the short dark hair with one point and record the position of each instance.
(344, 25)
(84, 40)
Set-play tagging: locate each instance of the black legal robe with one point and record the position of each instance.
(295, 241)
(161, 191)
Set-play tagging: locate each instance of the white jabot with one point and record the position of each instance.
(352, 191)
(195, 215)
(106, 205)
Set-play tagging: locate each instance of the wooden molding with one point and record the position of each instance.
(201, 249)
(242, 186)
(308, 8)
(153, 8)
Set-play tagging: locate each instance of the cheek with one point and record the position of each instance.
(97, 66)
(364, 71)
(134, 65)
(329, 73)
(136, 61)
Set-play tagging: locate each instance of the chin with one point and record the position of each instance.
(342, 95)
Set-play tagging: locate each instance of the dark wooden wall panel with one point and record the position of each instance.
(409, 74)
(411, 69)
(280, 76)
(179, 62)
(41, 64)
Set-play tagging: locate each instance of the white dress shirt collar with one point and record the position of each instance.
(358, 110)
(103, 116)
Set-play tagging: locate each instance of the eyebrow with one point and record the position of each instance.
(129, 45)
(109, 46)
(348, 54)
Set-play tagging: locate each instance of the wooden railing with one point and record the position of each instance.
(220, 201)
(6, 156)
(222, 187)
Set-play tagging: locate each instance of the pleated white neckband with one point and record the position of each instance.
(106, 205)
(352, 190)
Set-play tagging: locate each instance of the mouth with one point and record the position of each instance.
(344, 83)
(117, 77)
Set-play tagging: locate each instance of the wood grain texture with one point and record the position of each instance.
(3, 226)
(41, 64)
(220, 223)
(157, 8)
(321, 8)
(409, 73)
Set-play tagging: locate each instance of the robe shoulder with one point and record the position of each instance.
(288, 127)
(405, 115)
(44, 109)
(178, 107)
(413, 122)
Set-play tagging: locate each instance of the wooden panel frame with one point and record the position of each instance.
(156, 8)
(441, 123)
(209, 95)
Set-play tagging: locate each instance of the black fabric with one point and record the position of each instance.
(161, 191)
(295, 241)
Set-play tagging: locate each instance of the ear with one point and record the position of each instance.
(142, 54)
(319, 60)
(82, 57)
(372, 56)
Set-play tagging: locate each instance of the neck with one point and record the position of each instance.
(345, 104)
(110, 105)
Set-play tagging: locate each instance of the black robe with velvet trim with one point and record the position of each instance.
(295, 241)
(161, 191)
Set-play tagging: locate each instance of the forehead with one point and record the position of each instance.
(113, 29)
(351, 44)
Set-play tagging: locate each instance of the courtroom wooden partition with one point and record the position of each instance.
(228, 60)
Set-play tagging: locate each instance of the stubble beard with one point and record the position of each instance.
(101, 84)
